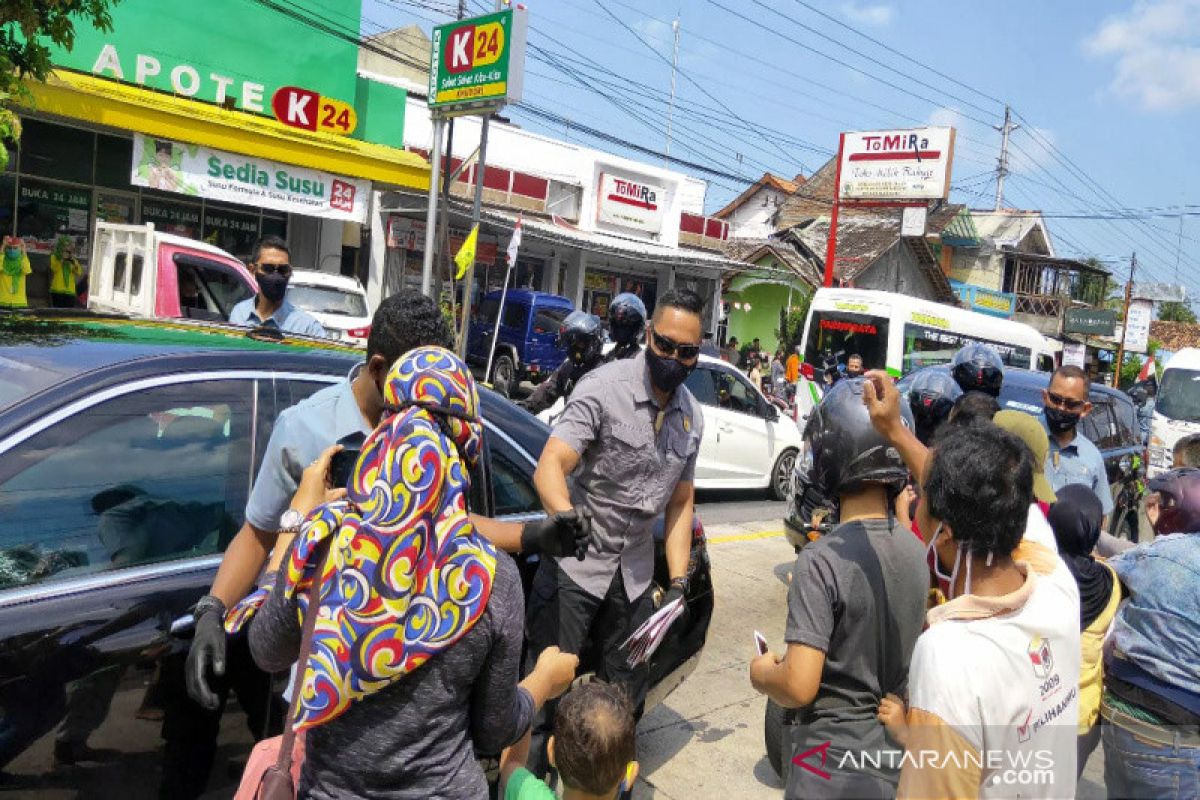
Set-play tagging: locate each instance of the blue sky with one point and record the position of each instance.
(1106, 92)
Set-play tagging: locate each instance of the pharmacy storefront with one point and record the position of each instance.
(219, 132)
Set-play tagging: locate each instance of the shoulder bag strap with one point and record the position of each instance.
(284, 762)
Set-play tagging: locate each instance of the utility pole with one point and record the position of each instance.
(1002, 167)
(1124, 323)
(435, 163)
(671, 105)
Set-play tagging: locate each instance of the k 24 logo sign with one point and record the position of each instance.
(304, 108)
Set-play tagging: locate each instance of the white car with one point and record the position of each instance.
(339, 303)
(747, 444)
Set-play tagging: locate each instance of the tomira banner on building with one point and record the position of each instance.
(204, 172)
(897, 165)
(630, 203)
(478, 62)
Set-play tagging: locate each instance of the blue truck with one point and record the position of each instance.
(527, 349)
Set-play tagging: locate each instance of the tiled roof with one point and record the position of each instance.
(768, 179)
(1175, 335)
(750, 250)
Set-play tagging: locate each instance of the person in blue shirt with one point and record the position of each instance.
(1072, 458)
(1151, 702)
(270, 308)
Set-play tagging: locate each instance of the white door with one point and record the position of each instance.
(702, 384)
(745, 439)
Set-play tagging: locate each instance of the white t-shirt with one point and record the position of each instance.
(994, 690)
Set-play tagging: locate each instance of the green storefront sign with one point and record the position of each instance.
(1090, 321)
(479, 62)
(234, 53)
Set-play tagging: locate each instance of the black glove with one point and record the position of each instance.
(558, 535)
(207, 651)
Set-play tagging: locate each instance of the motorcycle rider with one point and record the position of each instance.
(856, 604)
(978, 368)
(582, 338)
(626, 323)
(931, 395)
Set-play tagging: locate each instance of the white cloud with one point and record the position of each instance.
(658, 34)
(875, 14)
(1157, 50)
(945, 117)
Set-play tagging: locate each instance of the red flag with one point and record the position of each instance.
(1147, 370)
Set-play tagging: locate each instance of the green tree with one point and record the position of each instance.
(1133, 365)
(1176, 312)
(791, 321)
(27, 29)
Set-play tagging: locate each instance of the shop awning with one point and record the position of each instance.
(116, 105)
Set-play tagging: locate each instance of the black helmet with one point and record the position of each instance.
(1138, 394)
(580, 335)
(978, 368)
(1179, 501)
(626, 318)
(931, 394)
(842, 450)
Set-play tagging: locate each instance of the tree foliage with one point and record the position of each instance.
(1133, 365)
(1176, 312)
(791, 322)
(27, 30)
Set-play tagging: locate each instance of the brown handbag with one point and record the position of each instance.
(276, 781)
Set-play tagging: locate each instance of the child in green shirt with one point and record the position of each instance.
(592, 748)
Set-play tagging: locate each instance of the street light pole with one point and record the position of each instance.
(435, 158)
(1124, 323)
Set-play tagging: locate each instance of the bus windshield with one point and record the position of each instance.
(1179, 396)
(925, 346)
(842, 334)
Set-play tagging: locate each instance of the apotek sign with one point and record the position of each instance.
(478, 62)
(630, 203)
(897, 165)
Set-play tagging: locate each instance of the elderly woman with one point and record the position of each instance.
(415, 654)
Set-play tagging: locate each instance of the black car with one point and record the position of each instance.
(1112, 426)
(127, 452)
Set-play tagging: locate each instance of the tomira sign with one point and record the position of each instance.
(897, 165)
(478, 62)
(902, 167)
(630, 204)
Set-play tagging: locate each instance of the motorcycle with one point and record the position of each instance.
(1123, 522)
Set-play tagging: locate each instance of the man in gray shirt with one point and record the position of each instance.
(630, 435)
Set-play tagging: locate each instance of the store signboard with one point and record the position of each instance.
(911, 164)
(1160, 292)
(1137, 329)
(305, 109)
(1074, 354)
(404, 233)
(50, 210)
(229, 53)
(1090, 321)
(630, 203)
(479, 62)
(201, 171)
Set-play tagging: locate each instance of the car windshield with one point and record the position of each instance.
(1179, 396)
(840, 334)
(328, 300)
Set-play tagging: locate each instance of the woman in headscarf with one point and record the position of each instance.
(1076, 518)
(415, 654)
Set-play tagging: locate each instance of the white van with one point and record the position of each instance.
(901, 333)
(1176, 408)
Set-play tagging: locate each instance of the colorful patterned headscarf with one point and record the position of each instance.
(407, 574)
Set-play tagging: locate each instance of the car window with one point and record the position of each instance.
(549, 320)
(515, 316)
(701, 383)
(1129, 428)
(327, 300)
(157, 474)
(219, 286)
(512, 487)
(735, 393)
(1098, 426)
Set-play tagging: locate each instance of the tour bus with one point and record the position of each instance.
(1176, 408)
(901, 333)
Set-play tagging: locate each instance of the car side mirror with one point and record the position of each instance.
(771, 413)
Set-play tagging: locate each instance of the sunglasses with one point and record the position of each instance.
(1065, 402)
(270, 269)
(671, 349)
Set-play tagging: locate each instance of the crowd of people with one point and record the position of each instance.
(963, 619)
(960, 631)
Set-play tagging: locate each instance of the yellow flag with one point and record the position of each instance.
(466, 254)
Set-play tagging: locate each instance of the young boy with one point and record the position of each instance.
(592, 748)
(855, 606)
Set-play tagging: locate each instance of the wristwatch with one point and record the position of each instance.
(291, 521)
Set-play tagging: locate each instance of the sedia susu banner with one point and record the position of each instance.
(201, 171)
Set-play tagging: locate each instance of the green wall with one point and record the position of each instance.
(766, 300)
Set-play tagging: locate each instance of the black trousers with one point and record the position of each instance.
(561, 613)
(58, 300)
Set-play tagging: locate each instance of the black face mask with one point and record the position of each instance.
(1059, 421)
(273, 287)
(666, 374)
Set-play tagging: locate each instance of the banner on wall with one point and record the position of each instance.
(201, 171)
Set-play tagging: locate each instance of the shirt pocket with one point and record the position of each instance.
(627, 459)
(679, 448)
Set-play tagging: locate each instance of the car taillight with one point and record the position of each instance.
(360, 333)
(537, 329)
